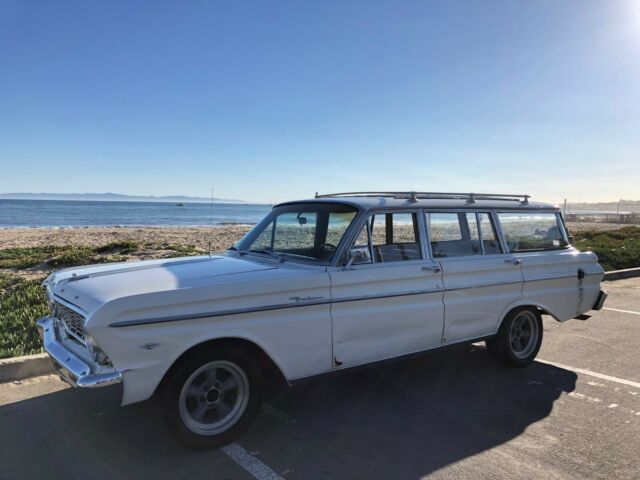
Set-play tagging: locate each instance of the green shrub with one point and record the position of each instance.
(22, 302)
(123, 247)
(52, 256)
(182, 249)
(616, 249)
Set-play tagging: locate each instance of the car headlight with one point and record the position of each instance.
(95, 351)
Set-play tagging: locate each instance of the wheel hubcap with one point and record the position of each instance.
(214, 397)
(523, 334)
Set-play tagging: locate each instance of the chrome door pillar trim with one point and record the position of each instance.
(424, 236)
(500, 232)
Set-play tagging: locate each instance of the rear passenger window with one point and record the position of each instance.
(453, 234)
(462, 234)
(528, 232)
(395, 237)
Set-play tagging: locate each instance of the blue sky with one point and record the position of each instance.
(268, 101)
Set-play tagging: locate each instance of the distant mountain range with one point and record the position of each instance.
(114, 197)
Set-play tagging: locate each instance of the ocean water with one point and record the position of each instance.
(69, 213)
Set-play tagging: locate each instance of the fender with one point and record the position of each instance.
(524, 302)
(140, 383)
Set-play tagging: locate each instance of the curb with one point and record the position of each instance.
(620, 274)
(19, 368)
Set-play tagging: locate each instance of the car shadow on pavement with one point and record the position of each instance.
(401, 420)
(406, 419)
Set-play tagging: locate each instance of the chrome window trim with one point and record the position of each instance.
(352, 233)
(335, 259)
(559, 221)
(427, 235)
(479, 227)
(424, 239)
(476, 211)
(500, 233)
(340, 259)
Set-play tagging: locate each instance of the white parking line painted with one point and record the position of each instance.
(250, 463)
(584, 397)
(584, 371)
(621, 311)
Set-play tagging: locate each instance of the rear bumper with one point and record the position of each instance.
(602, 296)
(71, 368)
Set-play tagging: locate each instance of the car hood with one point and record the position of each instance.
(89, 287)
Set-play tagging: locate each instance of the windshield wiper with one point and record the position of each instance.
(268, 252)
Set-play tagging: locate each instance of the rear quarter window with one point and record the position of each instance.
(531, 232)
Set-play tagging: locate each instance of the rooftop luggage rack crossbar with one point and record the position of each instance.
(415, 196)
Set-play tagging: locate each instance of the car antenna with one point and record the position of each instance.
(211, 232)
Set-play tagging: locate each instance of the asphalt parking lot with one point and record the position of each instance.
(575, 413)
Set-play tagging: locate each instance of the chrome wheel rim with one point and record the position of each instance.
(214, 397)
(523, 334)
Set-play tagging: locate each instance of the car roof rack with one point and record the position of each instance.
(415, 196)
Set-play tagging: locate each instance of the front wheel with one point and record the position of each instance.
(519, 338)
(211, 397)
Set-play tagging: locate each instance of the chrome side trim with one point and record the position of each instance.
(485, 285)
(553, 277)
(311, 302)
(265, 308)
(70, 367)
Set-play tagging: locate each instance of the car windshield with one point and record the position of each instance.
(304, 231)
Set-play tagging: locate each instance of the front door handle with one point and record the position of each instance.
(433, 268)
(515, 261)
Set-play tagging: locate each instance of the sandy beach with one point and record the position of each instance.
(221, 237)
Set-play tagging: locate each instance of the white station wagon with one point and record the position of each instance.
(318, 286)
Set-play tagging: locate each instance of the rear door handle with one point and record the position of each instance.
(433, 268)
(515, 261)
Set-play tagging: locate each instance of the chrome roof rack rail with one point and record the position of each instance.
(415, 196)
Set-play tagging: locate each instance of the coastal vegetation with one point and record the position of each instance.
(22, 270)
(616, 249)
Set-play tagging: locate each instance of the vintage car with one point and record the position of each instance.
(318, 286)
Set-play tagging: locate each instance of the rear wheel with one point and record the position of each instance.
(519, 338)
(211, 397)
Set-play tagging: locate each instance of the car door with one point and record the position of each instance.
(388, 302)
(480, 280)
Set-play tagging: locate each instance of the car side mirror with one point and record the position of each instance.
(357, 256)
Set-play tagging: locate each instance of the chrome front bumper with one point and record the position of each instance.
(71, 368)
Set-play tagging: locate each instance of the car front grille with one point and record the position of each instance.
(73, 322)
